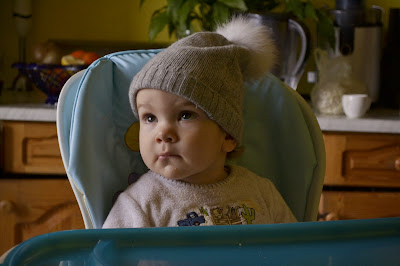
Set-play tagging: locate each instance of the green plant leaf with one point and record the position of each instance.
(160, 10)
(141, 2)
(185, 9)
(237, 4)
(220, 14)
(260, 6)
(184, 21)
(325, 28)
(296, 7)
(204, 8)
(171, 29)
(157, 24)
(173, 7)
(183, 15)
(309, 12)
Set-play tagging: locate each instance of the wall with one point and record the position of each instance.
(98, 20)
(95, 20)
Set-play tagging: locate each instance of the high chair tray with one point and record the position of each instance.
(355, 242)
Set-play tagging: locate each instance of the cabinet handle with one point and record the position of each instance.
(328, 216)
(397, 164)
(7, 206)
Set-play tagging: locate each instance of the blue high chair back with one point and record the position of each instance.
(282, 138)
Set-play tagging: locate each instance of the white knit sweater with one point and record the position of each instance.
(242, 198)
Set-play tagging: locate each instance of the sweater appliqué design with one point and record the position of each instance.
(220, 215)
(192, 219)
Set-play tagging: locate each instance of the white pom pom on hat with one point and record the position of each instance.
(256, 37)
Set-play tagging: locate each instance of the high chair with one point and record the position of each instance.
(282, 138)
(282, 141)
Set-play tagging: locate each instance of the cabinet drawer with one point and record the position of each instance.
(354, 159)
(345, 205)
(31, 147)
(31, 207)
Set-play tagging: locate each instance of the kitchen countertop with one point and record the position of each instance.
(28, 112)
(376, 120)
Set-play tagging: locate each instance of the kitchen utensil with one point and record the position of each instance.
(358, 36)
(293, 41)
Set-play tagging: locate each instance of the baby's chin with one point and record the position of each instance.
(169, 172)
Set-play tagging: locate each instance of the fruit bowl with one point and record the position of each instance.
(49, 78)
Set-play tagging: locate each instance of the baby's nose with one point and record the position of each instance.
(167, 134)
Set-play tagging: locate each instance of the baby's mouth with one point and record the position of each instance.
(167, 155)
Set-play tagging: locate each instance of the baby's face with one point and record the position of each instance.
(178, 140)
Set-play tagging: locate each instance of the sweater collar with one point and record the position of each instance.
(178, 183)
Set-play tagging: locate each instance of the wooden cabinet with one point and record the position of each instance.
(362, 177)
(30, 207)
(355, 204)
(42, 201)
(31, 148)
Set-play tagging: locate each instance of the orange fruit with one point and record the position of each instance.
(78, 54)
(89, 57)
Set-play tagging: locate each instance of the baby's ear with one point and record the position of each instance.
(229, 144)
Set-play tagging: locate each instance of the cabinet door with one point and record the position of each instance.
(344, 205)
(31, 147)
(364, 160)
(30, 207)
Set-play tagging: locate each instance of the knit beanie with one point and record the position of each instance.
(209, 70)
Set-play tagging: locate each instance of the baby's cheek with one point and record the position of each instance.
(147, 160)
(145, 149)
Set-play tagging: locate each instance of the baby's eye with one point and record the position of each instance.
(187, 115)
(150, 118)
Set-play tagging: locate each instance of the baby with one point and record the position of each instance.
(188, 100)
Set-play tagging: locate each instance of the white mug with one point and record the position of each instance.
(355, 105)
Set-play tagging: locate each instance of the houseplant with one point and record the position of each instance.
(183, 17)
